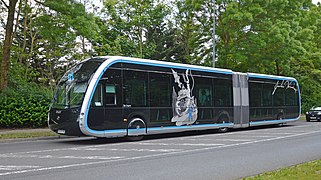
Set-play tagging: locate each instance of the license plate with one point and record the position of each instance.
(60, 131)
(313, 117)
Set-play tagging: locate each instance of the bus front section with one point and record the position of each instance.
(68, 98)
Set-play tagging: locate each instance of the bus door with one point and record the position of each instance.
(112, 89)
(135, 103)
(241, 100)
(96, 114)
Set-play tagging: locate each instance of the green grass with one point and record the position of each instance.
(15, 135)
(309, 171)
(302, 117)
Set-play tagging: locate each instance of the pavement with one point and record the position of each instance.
(194, 155)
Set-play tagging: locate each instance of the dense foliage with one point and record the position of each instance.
(24, 104)
(279, 37)
(17, 111)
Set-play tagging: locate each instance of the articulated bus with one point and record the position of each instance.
(121, 96)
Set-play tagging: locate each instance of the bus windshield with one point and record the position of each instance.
(71, 89)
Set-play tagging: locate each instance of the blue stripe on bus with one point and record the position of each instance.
(262, 76)
(272, 121)
(190, 126)
(170, 127)
(177, 67)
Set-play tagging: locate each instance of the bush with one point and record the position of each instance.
(24, 109)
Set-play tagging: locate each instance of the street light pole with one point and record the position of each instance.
(213, 38)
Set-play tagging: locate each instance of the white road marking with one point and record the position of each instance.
(177, 144)
(15, 168)
(153, 155)
(56, 150)
(255, 136)
(236, 140)
(220, 139)
(275, 133)
(132, 150)
(59, 157)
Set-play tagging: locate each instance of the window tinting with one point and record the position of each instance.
(111, 98)
(267, 94)
(278, 97)
(112, 87)
(160, 90)
(291, 97)
(255, 93)
(222, 92)
(135, 88)
(203, 92)
(97, 98)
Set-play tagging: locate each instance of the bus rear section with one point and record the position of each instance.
(273, 99)
(264, 99)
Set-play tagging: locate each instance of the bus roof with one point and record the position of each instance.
(165, 64)
(179, 65)
(265, 76)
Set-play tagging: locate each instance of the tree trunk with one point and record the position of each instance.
(7, 46)
(277, 66)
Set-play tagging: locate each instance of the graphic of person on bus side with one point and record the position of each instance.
(184, 103)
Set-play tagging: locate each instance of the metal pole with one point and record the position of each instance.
(213, 38)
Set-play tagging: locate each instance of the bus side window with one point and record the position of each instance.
(97, 100)
(111, 95)
(223, 93)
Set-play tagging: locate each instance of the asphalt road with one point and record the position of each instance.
(193, 155)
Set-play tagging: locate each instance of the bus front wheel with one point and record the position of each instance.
(223, 129)
(136, 129)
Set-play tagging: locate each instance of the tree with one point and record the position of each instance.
(193, 22)
(7, 45)
(45, 39)
(260, 36)
(132, 28)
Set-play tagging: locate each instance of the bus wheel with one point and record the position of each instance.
(136, 129)
(280, 117)
(134, 138)
(223, 129)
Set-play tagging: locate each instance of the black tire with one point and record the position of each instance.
(222, 119)
(135, 138)
(223, 129)
(137, 124)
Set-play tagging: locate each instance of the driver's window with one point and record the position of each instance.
(97, 100)
(111, 94)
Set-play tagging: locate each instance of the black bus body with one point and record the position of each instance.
(121, 96)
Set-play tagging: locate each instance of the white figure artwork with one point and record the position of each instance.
(184, 103)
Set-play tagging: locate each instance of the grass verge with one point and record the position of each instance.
(310, 170)
(16, 135)
(302, 117)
